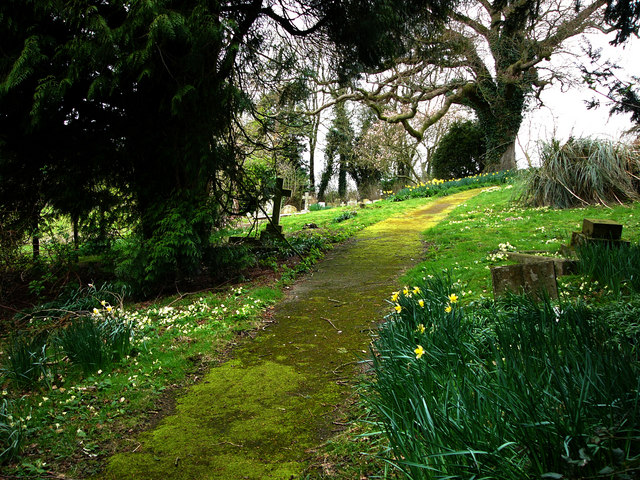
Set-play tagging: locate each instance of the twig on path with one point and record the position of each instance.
(337, 301)
(331, 323)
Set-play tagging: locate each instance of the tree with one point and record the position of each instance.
(460, 152)
(143, 97)
(489, 57)
(338, 152)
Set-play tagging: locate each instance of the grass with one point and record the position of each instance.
(76, 420)
(510, 391)
(468, 242)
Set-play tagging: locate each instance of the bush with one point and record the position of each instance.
(460, 152)
(519, 390)
(581, 172)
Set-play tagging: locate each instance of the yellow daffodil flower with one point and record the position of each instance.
(416, 290)
(398, 308)
(421, 303)
(109, 308)
(394, 297)
(419, 351)
(453, 298)
(95, 311)
(421, 328)
(405, 291)
(447, 308)
(103, 303)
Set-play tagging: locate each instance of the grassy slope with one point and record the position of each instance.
(464, 242)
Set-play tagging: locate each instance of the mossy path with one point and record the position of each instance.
(256, 416)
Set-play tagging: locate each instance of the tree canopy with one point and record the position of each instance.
(489, 57)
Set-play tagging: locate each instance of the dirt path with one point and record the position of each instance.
(255, 416)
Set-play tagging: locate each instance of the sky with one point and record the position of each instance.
(564, 113)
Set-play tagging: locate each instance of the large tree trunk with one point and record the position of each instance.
(508, 158)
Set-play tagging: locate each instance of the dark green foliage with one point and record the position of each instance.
(28, 360)
(583, 171)
(344, 216)
(95, 343)
(617, 267)
(516, 390)
(105, 105)
(624, 16)
(460, 152)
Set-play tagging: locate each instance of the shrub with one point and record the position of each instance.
(583, 171)
(460, 152)
(517, 390)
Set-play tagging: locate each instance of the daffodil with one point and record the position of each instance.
(421, 328)
(419, 351)
(398, 308)
(421, 303)
(95, 311)
(394, 296)
(453, 298)
(416, 290)
(109, 308)
(447, 308)
(103, 302)
(405, 291)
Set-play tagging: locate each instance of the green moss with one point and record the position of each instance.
(256, 416)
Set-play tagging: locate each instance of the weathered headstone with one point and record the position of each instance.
(307, 199)
(601, 231)
(289, 209)
(274, 228)
(563, 266)
(532, 278)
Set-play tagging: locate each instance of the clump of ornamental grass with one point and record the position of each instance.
(583, 171)
(510, 391)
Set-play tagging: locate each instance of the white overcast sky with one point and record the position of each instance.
(565, 114)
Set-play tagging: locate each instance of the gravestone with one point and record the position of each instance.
(289, 209)
(274, 229)
(600, 231)
(531, 278)
(307, 199)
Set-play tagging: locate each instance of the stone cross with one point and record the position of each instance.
(307, 199)
(275, 228)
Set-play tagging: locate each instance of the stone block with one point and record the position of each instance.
(563, 266)
(531, 278)
(606, 229)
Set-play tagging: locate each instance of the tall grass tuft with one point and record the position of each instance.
(12, 432)
(583, 171)
(616, 267)
(520, 390)
(27, 360)
(95, 343)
